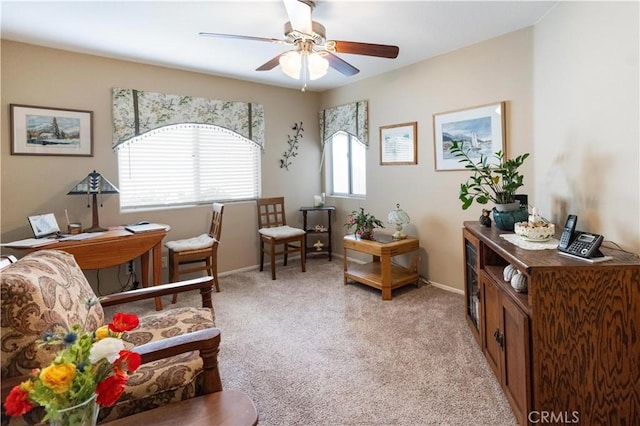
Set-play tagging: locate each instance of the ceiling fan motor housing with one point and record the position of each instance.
(318, 35)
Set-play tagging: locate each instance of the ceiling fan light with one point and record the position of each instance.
(291, 64)
(318, 66)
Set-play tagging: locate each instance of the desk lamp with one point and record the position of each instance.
(399, 218)
(94, 184)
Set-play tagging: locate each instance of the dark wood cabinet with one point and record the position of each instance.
(567, 351)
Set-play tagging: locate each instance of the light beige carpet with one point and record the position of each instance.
(310, 351)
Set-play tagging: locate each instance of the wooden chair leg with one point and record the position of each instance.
(303, 255)
(170, 275)
(273, 261)
(212, 270)
(215, 281)
(175, 275)
(261, 255)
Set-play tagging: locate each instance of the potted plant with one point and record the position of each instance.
(496, 183)
(364, 223)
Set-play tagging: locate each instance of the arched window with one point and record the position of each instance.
(347, 165)
(187, 164)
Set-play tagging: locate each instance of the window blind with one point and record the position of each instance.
(186, 165)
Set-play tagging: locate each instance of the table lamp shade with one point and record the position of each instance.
(94, 184)
(399, 218)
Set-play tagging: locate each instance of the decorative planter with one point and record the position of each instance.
(506, 220)
(83, 414)
(366, 234)
(508, 207)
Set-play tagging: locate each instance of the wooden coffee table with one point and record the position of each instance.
(225, 408)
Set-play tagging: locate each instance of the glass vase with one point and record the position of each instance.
(83, 414)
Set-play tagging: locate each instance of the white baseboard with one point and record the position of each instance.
(423, 279)
(447, 288)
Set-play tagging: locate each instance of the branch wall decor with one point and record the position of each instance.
(293, 146)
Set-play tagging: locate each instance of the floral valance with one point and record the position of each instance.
(350, 118)
(136, 112)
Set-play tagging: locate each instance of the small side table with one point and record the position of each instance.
(381, 273)
(313, 231)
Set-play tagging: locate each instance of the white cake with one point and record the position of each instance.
(535, 231)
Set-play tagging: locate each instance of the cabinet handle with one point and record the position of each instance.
(499, 337)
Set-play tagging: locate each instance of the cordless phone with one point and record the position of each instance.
(582, 244)
(567, 233)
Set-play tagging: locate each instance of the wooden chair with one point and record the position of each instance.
(201, 250)
(273, 230)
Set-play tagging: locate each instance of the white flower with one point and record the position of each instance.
(108, 348)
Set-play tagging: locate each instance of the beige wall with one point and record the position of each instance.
(39, 76)
(586, 112)
(496, 70)
(571, 87)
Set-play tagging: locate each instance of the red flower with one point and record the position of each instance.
(110, 389)
(127, 363)
(17, 402)
(123, 322)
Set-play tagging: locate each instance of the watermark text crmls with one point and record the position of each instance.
(555, 417)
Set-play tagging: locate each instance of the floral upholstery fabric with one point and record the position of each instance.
(47, 289)
(42, 291)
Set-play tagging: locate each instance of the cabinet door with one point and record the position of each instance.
(516, 372)
(471, 251)
(492, 324)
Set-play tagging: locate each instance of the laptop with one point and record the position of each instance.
(145, 227)
(44, 225)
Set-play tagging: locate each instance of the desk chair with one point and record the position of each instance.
(273, 230)
(202, 250)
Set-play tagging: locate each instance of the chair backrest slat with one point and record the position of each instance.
(216, 221)
(271, 212)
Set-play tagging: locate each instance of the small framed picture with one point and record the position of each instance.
(51, 131)
(399, 144)
(480, 130)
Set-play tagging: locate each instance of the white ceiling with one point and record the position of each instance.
(166, 32)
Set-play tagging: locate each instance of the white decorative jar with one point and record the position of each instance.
(508, 272)
(519, 282)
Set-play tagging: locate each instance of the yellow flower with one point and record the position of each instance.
(102, 332)
(58, 377)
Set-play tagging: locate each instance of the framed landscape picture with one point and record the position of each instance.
(480, 130)
(399, 144)
(51, 131)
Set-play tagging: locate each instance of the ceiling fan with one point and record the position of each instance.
(313, 53)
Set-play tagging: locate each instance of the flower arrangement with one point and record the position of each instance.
(90, 364)
(364, 223)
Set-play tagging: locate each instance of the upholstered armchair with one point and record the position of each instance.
(179, 346)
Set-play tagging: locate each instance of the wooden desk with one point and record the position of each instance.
(225, 408)
(381, 273)
(115, 248)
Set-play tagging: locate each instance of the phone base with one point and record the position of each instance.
(595, 259)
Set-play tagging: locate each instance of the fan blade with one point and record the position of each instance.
(299, 13)
(340, 65)
(271, 64)
(368, 49)
(241, 37)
